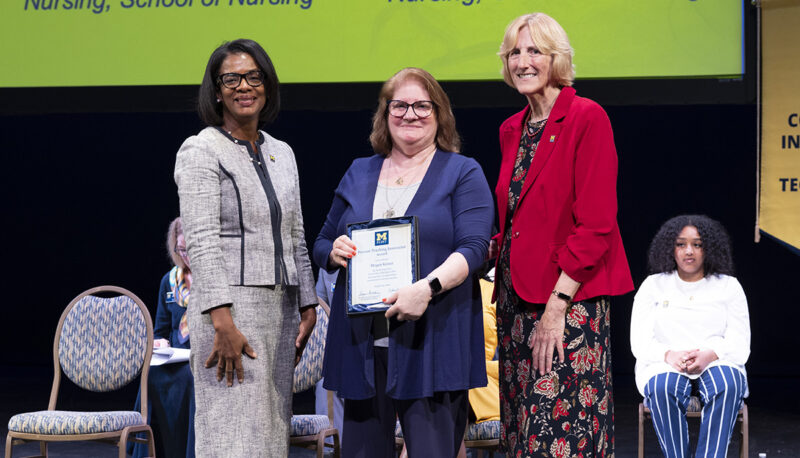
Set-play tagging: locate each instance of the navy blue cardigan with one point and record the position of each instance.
(443, 350)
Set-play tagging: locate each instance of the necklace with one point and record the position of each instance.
(399, 180)
(411, 174)
(249, 155)
(532, 129)
(390, 211)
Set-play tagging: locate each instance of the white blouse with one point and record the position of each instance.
(671, 314)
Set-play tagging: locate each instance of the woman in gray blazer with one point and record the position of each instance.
(253, 284)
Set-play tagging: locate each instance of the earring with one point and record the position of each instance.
(218, 100)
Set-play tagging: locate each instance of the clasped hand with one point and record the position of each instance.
(690, 361)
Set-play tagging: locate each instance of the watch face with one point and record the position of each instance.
(436, 287)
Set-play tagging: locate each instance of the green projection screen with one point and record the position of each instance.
(167, 42)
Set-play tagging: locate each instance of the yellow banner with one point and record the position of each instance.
(779, 204)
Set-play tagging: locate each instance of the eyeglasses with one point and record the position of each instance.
(232, 80)
(181, 250)
(421, 108)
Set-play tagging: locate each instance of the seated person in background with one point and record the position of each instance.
(690, 332)
(171, 386)
(484, 401)
(325, 285)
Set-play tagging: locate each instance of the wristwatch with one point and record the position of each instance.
(436, 286)
(562, 296)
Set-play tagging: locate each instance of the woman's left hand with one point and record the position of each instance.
(308, 318)
(410, 302)
(699, 360)
(548, 336)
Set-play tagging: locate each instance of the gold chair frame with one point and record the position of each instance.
(489, 446)
(317, 441)
(119, 437)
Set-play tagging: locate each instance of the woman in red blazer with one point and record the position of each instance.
(560, 253)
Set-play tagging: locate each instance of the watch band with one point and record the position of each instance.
(562, 296)
(436, 286)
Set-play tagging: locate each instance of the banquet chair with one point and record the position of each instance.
(310, 431)
(483, 436)
(102, 343)
(694, 410)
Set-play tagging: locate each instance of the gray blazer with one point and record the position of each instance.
(227, 222)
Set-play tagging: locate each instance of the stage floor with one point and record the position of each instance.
(774, 426)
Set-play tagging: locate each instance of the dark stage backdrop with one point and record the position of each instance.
(87, 199)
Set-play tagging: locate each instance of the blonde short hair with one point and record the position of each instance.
(550, 38)
(447, 138)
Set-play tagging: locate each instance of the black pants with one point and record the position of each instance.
(432, 427)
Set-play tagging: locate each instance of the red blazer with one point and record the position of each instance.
(566, 217)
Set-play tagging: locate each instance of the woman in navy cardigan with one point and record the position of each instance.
(420, 366)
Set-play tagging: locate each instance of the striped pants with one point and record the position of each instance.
(721, 391)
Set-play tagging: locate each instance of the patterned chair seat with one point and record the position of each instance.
(60, 422)
(104, 340)
(475, 431)
(483, 431)
(308, 425)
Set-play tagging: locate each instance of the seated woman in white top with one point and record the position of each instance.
(690, 333)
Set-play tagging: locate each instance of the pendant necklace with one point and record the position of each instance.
(389, 213)
(399, 180)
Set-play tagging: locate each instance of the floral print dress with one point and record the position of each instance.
(568, 411)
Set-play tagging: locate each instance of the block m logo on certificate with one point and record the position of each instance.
(381, 238)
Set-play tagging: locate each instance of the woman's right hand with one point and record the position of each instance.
(229, 344)
(342, 250)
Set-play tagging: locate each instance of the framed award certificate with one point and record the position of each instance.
(386, 260)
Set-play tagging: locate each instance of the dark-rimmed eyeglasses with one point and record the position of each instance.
(421, 108)
(232, 80)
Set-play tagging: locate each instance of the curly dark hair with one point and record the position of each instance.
(717, 252)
